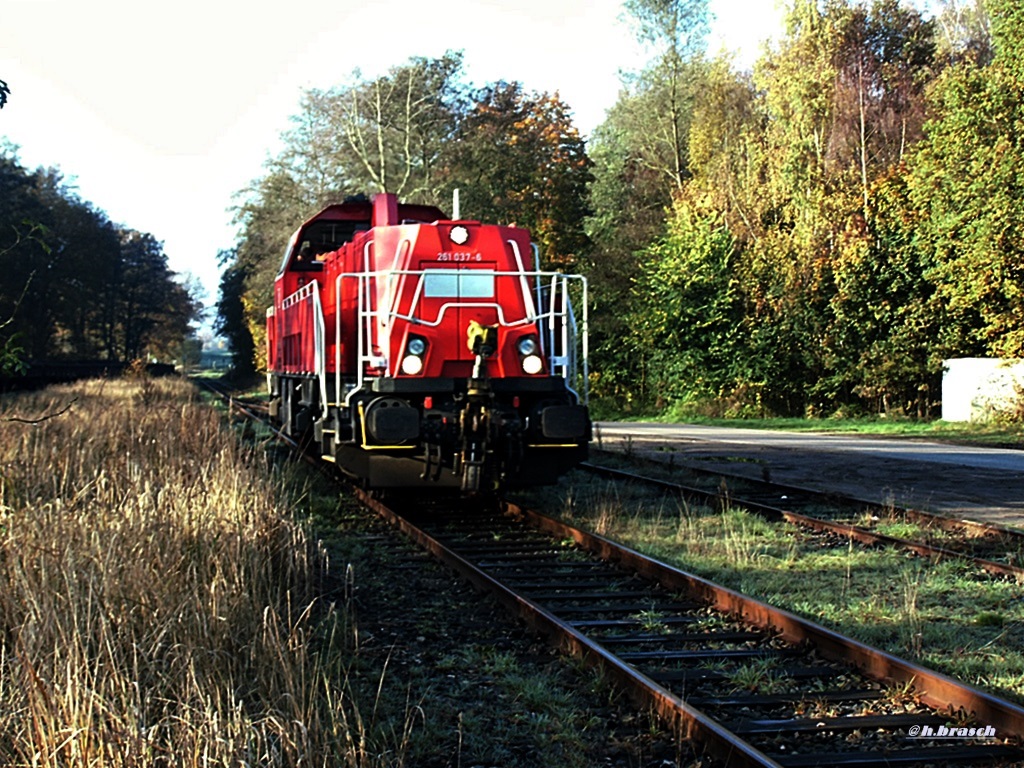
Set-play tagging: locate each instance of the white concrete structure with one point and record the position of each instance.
(979, 388)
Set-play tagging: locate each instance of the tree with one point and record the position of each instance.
(232, 316)
(688, 309)
(11, 353)
(882, 66)
(677, 30)
(272, 208)
(25, 224)
(389, 134)
(518, 158)
(173, 336)
(641, 162)
(884, 322)
(628, 207)
(83, 252)
(5, 91)
(73, 285)
(969, 178)
(727, 149)
(150, 307)
(966, 31)
(843, 103)
(1008, 37)
(874, 343)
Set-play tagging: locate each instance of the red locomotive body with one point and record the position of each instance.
(420, 351)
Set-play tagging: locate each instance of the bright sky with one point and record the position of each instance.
(160, 112)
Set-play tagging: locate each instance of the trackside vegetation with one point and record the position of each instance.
(174, 593)
(157, 593)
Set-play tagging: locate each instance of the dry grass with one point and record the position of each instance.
(156, 598)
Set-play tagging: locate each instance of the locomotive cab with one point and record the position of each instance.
(423, 352)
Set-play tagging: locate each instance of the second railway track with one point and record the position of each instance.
(995, 549)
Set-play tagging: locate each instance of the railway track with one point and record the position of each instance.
(751, 684)
(756, 686)
(995, 549)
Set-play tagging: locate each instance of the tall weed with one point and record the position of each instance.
(157, 597)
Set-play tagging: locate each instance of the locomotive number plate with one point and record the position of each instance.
(457, 257)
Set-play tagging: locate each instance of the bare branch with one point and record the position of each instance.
(44, 417)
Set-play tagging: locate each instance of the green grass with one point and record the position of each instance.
(944, 615)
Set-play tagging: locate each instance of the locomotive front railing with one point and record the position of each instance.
(564, 344)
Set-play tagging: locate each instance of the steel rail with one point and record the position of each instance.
(935, 689)
(687, 721)
(858, 533)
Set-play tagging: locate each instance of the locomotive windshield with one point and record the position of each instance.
(461, 284)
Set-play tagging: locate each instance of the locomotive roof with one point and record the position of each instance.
(364, 211)
(338, 223)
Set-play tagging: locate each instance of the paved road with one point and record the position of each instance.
(984, 483)
(904, 450)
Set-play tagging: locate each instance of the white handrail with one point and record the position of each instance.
(320, 351)
(558, 318)
(531, 310)
(311, 292)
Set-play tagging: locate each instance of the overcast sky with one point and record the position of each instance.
(160, 112)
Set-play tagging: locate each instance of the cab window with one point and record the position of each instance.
(461, 284)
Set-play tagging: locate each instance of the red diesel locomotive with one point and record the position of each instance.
(423, 352)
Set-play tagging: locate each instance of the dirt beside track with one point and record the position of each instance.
(978, 493)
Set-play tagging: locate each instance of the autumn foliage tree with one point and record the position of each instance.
(795, 180)
(641, 161)
(519, 159)
(969, 178)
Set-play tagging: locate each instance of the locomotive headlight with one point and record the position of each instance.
(532, 364)
(412, 365)
(459, 235)
(527, 345)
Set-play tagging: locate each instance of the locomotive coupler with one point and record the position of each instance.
(476, 422)
(482, 341)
